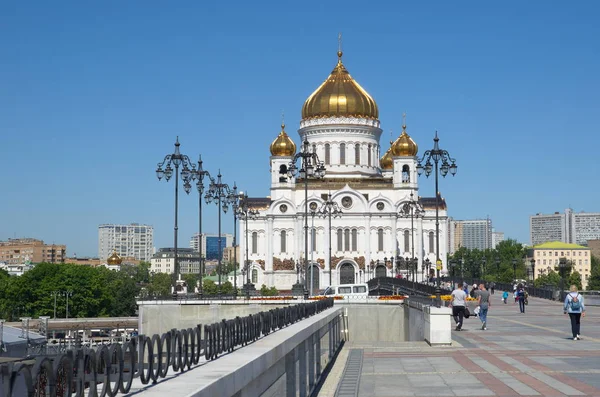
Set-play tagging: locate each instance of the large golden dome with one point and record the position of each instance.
(387, 162)
(283, 145)
(404, 145)
(114, 259)
(340, 96)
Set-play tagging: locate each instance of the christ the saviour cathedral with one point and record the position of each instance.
(340, 124)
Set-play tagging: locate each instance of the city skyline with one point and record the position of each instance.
(99, 111)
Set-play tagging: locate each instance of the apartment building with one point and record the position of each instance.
(568, 227)
(547, 257)
(164, 261)
(29, 250)
(133, 240)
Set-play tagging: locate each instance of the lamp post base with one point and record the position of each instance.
(298, 289)
(249, 290)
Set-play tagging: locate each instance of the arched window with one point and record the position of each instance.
(339, 239)
(369, 155)
(431, 241)
(313, 239)
(357, 154)
(379, 239)
(405, 174)
(254, 242)
(327, 154)
(354, 238)
(342, 153)
(254, 276)
(406, 241)
(347, 240)
(283, 238)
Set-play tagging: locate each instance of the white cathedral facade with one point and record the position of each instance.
(340, 123)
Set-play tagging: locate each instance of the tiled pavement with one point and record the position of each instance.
(529, 354)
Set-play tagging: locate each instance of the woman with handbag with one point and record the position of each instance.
(483, 299)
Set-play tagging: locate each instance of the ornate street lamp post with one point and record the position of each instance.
(532, 271)
(198, 176)
(310, 167)
(428, 265)
(412, 209)
(234, 200)
(514, 263)
(328, 209)
(245, 212)
(220, 193)
(445, 163)
(497, 267)
(176, 159)
(68, 294)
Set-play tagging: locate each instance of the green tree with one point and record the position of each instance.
(226, 288)
(191, 280)
(574, 279)
(209, 287)
(594, 280)
(160, 284)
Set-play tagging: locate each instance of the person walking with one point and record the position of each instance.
(505, 296)
(521, 297)
(575, 307)
(459, 302)
(492, 287)
(483, 299)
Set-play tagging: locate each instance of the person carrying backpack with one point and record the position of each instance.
(576, 309)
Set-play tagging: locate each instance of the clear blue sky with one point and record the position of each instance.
(93, 95)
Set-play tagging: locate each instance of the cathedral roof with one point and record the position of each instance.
(114, 259)
(428, 203)
(386, 162)
(340, 96)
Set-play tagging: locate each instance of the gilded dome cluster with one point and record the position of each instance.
(283, 145)
(114, 259)
(340, 96)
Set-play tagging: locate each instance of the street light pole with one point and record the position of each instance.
(514, 263)
(311, 167)
(198, 175)
(67, 294)
(219, 193)
(328, 209)
(55, 294)
(412, 209)
(448, 164)
(234, 199)
(164, 169)
(245, 212)
(313, 212)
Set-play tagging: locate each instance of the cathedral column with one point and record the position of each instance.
(367, 245)
(419, 242)
(270, 280)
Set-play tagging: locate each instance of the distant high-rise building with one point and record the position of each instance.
(497, 237)
(568, 227)
(17, 251)
(471, 234)
(133, 240)
(210, 244)
(544, 228)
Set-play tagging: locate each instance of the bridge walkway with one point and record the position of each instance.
(531, 354)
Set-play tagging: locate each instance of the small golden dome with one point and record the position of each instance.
(114, 259)
(404, 145)
(340, 96)
(283, 145)
(386, 162)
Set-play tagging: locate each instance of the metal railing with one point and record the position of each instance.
(389, 285)
(113, 368)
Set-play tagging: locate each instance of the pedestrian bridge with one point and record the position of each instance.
(336, 349)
